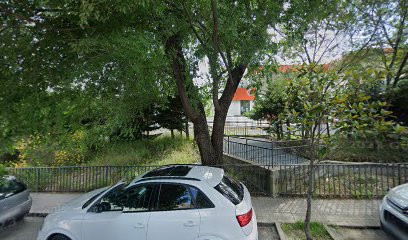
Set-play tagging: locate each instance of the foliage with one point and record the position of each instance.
(300, 100)
(120, 56)
(3, 170)
(380, 31)
(172, 116)
(360, 117)
(3, 173)
(270, 104)
(159, 151)
(398, 99)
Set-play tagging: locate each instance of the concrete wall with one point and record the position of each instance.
(258, 179)
(235, 109)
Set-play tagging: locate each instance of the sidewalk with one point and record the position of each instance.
(356, 213)
(344, 212)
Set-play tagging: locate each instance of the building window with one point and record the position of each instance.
(245, 107)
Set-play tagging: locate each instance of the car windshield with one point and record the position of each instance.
(9, 187)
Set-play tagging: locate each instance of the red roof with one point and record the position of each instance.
(243, 94)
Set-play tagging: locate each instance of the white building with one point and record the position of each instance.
(242, 102)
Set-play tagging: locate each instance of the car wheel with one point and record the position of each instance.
(58, 237)
(20, 217)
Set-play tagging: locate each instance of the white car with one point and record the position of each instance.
(179, 202)
(394, 212)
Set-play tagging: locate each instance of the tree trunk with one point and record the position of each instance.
(288, 128)
(278, 133)
(217, 136)
(210, 147)
(172, 133)
(205, 146)
(328, 128)
(309, 201)
(187, 130)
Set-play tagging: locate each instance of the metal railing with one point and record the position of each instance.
(358, 181)
(75, 178)
(264, 152)
(341, 180)
(87, 178)
(244, 128)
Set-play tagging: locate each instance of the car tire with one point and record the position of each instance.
(59, 237)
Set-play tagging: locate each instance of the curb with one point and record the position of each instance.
(333, 233)
(281, 234)
(37, 214)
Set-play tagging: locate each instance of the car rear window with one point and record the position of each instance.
(231, 189)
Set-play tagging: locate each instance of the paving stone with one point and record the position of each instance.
(339, 212)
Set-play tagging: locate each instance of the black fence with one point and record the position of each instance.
(357, 181)
(75, 178)
(341, 180)
(87, 178)
(268, 153)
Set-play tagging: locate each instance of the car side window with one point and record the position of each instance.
(112, 200)
(200, 199)
(137, 199)
(174, 197)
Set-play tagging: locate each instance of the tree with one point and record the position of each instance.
(315, 90)
(172, 116)
(229, 35)
(169, 38)
(3, 173)
(382, 26)
(271, 98)
(59, 77)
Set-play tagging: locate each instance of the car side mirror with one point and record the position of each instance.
(97, 208)
(101, 207)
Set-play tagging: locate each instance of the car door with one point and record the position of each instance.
(123, 214)
(133, 223)
(174, 215)
(98, 221)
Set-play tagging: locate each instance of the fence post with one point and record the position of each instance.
(37, 182)
(399, 174)
(246, 148)
(228, 142)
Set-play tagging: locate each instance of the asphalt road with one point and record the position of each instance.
(23, 230)
(27, 230)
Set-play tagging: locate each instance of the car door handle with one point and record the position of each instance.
(190, 224)
(138, 225)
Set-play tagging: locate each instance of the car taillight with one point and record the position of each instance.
(244, 219)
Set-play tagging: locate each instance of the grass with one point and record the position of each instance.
(353, 152)
(295, 231)
(160, 151)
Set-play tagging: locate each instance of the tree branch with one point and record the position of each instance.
(399, 73)
(175, 52)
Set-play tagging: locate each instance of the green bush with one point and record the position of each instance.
(3, 172)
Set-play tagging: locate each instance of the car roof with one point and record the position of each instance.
(211, 175)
